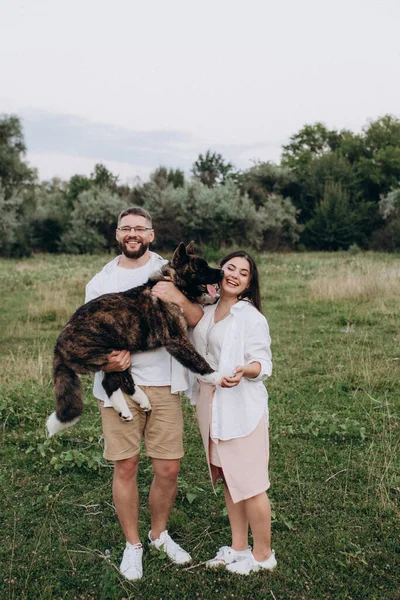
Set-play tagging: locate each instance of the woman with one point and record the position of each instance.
(234, 338)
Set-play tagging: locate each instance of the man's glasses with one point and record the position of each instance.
(139, 229)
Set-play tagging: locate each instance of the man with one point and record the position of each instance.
(161, 378)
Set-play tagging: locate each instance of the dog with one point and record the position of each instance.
(134, 320)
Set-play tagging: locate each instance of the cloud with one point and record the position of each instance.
(76, 136)
(62, 145)
(64, 166)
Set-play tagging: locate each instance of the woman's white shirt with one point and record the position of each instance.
(237, 411)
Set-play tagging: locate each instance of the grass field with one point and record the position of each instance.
(334, 412)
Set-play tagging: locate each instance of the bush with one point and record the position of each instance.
(93, 222)
(279, 224)
(219, 216)
(388, 237)
(15, 230)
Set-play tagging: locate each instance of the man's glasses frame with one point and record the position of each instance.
(138, 229)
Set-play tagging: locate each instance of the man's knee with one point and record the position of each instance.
(126, 469)
(166, 469)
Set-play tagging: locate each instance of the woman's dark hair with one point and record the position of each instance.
(252, 293)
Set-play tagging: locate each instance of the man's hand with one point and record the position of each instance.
(118, 360)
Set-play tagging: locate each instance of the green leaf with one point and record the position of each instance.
(190, 496)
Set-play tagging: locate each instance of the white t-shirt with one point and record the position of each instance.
(148, 368)
(214, 337)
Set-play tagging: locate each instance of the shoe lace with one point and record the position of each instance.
(224, 552)
(133, 555)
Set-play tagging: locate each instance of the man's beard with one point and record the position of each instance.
(142, 249)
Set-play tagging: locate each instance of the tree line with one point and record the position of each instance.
(332, 190)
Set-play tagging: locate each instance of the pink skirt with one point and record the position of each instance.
(244, 460)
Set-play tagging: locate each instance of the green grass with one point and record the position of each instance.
(334, 412)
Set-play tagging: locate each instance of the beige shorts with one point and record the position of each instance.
(161, 428)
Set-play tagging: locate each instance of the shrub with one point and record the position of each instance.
(93, 222)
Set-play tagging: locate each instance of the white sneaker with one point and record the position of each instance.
(250, 565)
(131, 565)
(166, 544)
(225, 556)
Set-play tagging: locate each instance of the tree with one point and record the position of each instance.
(329, 168)
(103, 178)
(271, 188)
(365, 166)
(211, 169)
(334, 225)
(15, 227)
(388, 236)
(310, 142)
(176, 178)
(264, 179)
(159, 177)
(220, 216)
(163, 177)
(379, 168)
(313, 156)
(14, 172)
(93, 222)
(280, 228)
(76, 185)
(52, 215)
(166, 207)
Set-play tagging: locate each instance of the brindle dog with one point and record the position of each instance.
(134, 320)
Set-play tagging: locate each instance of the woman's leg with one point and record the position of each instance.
(238, 521)
(257, 511)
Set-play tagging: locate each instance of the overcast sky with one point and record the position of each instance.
(135, 84)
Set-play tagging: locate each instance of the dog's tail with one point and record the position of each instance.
(69, 397)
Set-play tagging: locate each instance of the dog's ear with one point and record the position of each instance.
(190, 248)
(179, 257)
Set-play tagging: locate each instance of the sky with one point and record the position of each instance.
(138, 84)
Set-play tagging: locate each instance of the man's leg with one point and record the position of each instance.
(163, 438)
(122, 446)
(126, 497)
(162, 493)
(126, 501)
(161, 499)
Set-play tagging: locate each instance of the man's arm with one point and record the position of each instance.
(166, 291)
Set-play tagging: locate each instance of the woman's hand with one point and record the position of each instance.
(168, 292)
(118, 360)
(233, 381)
(250, 371)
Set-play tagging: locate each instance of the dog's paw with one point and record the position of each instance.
(141, 399)
(120, 406)
(126, 418)
(214, 378)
